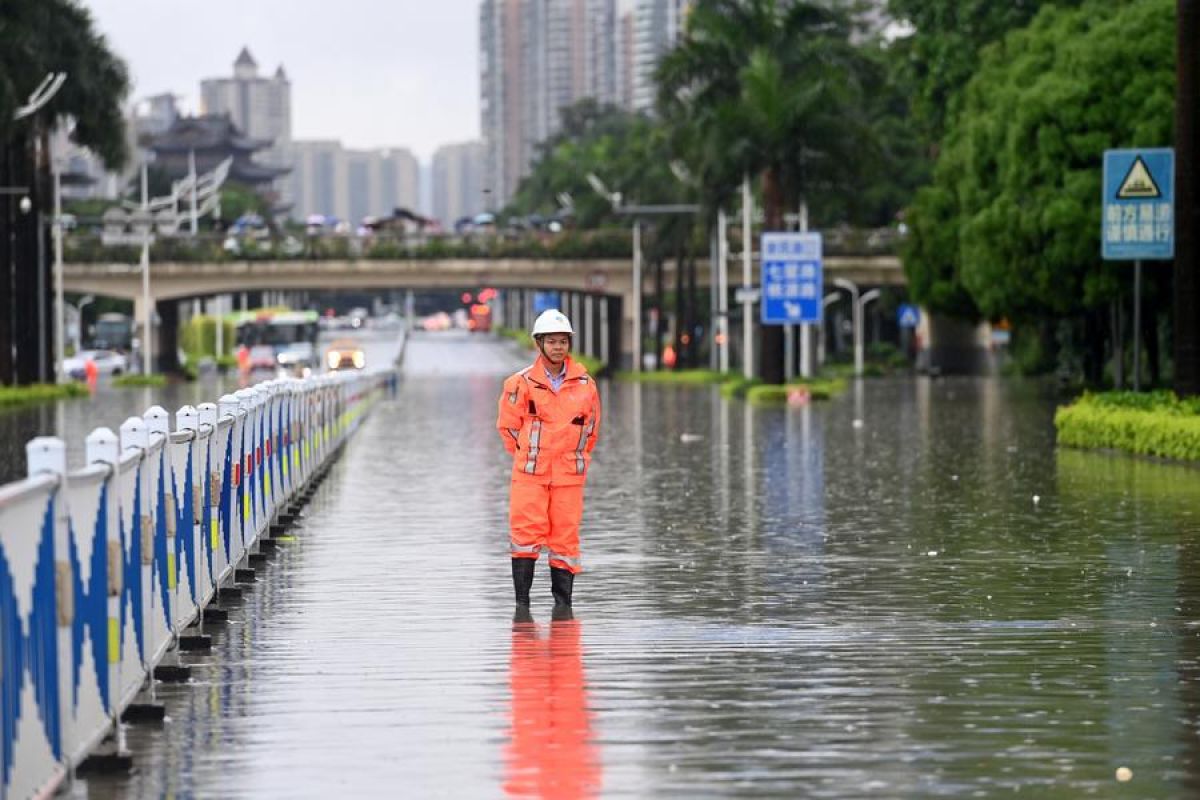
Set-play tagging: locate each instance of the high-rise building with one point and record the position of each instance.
(457, 179)
(658, 24)
(537, 56)
(352, 184)
(260, 107)
(624, 60)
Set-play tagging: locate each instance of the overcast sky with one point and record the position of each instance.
(372, 73)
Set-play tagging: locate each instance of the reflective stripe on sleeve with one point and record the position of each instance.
(535, 438)
(584, 433)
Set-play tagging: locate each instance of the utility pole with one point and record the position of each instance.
(1187, 203)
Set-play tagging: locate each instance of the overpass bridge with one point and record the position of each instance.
(599, 293)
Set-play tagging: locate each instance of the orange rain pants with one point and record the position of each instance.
(550, 435)
(544, 517)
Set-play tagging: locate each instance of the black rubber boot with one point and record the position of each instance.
(522, 569)
(561, 583)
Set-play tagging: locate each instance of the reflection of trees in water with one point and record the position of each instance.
(550, 753)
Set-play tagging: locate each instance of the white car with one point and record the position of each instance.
(108, 362)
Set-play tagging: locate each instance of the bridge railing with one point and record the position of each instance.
(87, 247)
(103, 567)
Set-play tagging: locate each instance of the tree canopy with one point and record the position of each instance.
(626, 151)
(44, 36)
(1011, 223)
(945, 48)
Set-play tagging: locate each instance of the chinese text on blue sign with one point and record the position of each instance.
(1139, 204)
(791, 278)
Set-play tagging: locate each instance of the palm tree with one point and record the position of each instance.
(38, 37)
(767, 88)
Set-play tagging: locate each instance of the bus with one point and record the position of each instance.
(269, 334)
(112, 332)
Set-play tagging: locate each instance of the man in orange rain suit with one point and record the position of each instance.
(549, 420)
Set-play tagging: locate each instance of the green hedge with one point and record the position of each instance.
(1151, 424)
(39, 393)
(198, 337)
(773, 394)
(684, 377)
(133, 381)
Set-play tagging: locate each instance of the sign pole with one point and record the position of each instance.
(637, 296)
(806, 328)
(747, 277)
(1137, 325)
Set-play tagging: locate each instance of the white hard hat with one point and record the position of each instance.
(552, 321)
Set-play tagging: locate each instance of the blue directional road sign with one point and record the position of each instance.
(908, 315)
(544, 301)
(791, 278)
(1139, 204)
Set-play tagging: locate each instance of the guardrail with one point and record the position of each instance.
(104, 567)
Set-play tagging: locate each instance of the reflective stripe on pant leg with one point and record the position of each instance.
(528, 518)
(566, 511)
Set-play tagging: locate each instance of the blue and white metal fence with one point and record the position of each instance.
(102, 568)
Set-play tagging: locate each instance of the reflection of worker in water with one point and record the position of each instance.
(550, 752)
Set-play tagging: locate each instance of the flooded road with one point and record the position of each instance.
(905, 592)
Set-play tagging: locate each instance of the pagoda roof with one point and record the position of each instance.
(205, 132)
(252, 173)
(244, 59)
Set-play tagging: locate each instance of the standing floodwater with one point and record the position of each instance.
(775, 602)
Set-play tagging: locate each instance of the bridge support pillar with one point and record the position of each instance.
(167, 346)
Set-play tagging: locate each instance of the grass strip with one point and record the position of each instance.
(682, 377)
(134, 381)
(775, 394)
(39, 393)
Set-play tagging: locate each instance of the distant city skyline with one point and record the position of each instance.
(371, 73)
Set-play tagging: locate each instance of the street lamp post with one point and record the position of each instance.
(84, 302)
(615, 198)
(855, 313)
(860, 334)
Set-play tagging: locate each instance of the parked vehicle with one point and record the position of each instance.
(108, 362)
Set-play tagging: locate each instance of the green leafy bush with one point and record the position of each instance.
(1151, 424)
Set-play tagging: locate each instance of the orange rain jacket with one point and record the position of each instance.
(549, 434)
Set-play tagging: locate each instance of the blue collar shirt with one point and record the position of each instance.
(556, 381)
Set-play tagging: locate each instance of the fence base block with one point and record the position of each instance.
(172, 673)
(229, 593)
(256, 559)
(215, 615)
(106, 760)
(194, 642)
(144, 712)
(244, 575)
